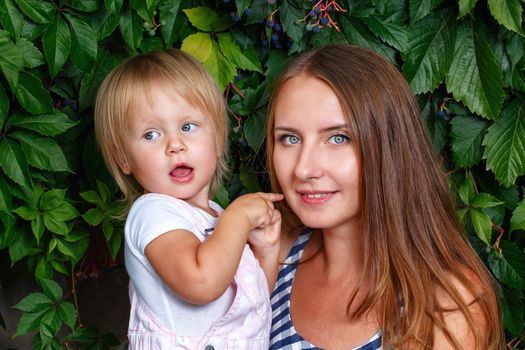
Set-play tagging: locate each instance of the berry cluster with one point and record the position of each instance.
(151, 28)
(321, 15)
(276, 32)
(443, 111)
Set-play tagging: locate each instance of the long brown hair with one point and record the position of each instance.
(414, 241)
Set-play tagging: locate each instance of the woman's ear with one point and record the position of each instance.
(122, 162)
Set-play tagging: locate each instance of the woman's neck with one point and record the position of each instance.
(342, 252)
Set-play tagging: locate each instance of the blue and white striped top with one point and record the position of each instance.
(283, 334)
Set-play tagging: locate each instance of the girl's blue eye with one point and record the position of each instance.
(339, 139)
(187, 127)
(151, 135)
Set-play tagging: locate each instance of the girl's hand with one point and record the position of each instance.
(257, 209)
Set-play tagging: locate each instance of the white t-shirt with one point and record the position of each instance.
(151, 216)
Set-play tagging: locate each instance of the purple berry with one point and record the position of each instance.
(271, 23)
(315, 29)
(277, 27)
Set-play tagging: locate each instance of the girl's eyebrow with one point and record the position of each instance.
(327, 129)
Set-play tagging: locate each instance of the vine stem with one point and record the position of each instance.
(74, 293)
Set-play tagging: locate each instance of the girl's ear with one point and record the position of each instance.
(122, 162)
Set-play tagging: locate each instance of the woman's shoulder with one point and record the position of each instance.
(466, 283)
(471, 291)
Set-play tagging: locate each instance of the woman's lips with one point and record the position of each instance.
(315, 197)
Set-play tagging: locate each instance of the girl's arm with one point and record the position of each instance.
(201, 272)
(266, 244)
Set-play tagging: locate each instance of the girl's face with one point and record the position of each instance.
(315, 160)
(170, 148)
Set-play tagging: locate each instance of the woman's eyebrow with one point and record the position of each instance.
(327, 129)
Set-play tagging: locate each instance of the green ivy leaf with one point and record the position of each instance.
(39, 11)
(508, 266)
(11, 62)
(419, 9)
(42, 152)
(32, 95)
(93, 216)
(92, 197)
(467, 134)
(10, 18)
(144, 8)
(169, 13)
(205, 19)
(26, 212)
(56, 226)
(392, 33)
(234, 54)
(52, 199)
(57, 44)
(130, 25)
(114, 244)
(5, 197)
(108, 229)
(428, 55)
(104, 23)
(249, 180)
(222, 70)
(66, 249)
(68, 314)
(482, 93)
(505, 144)
(46, 124)
(14, 163)
(512, 309)
(465, 7)
(32, 55)
(508, 14)
(85, 5)
(517, 221)
(4, 106)
(254, 128)
(91, 81)
(289, 16)
(29, 321)
(63, 212)
(34, 302)
(83, 44)
(357, 33)
(482, 224)
(484, 200)
(37, 227)
(199, 45)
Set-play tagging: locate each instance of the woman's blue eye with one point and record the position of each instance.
(339, 139)
(187, 127)
(289, 139)
(151, 135)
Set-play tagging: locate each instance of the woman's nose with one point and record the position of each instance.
(309, 163)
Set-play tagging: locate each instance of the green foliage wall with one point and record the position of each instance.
(464, 59)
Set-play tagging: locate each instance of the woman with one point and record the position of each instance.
(372, 246)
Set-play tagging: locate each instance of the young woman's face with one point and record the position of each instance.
(170, 148)
(315, 160)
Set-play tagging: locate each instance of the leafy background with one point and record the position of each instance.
(464, 60)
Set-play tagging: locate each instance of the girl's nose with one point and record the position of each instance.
(175, 145)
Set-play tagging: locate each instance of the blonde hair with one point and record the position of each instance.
(127, 85)
(414, 241)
